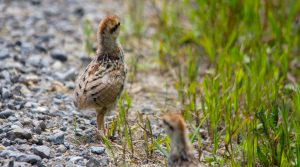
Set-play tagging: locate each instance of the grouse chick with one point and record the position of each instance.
(181, 154)
(102, 82)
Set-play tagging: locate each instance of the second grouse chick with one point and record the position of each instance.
(102, 82)
(181, 154)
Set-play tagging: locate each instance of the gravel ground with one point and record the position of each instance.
(41, 53)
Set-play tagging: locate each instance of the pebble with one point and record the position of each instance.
(6, 142)
(35, 61)
(13, 163)
(75, 159)
(37, 141)
(61, 149)
(93, 163)
(20, 141)
(59, 55)
(42, 151)
(6, 93)
(57, 138)
(5, 74)
(22, 133)
(5, 114)
(41, 109)
(4, 53)
(33, 159)
(104, 161)
(70, 74)
(97, 150)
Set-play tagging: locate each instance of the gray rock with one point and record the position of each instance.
(41, 109)
(68, 75)
(5, 74)
(35, 60)
(41, 48)
(37, 130)
(22, 133)
(57, 138)
(13, 163)
(37, 141)
(20, 141)
(97, 150)
(6, 142)
(23, 147)
(59, 55)
(75, 159)
(104, 161)
(61, 149)
(42, 151)
(5, 114)
(13, 119)
(93, 163)
(6, 93)
(39, 126)
(33, 159)
(4, 53)
(42, 125)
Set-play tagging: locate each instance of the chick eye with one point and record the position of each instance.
(168, 125)
(115, 28)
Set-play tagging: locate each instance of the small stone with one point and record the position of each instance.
(5, 114)
(63, 128)
(23, 147)
(35, 2)
(39, 126)
(79, 133)
(20, 141)
(79, 11)
(13, 163)
(57, 138)
(75, 159)
(97, 150)
(37, 141)
(33, 159)
(37, 130)
(40, 48)
(2, 147)
(41, 109)
(4, 53)
(35, 60)
(92, 163)
(26, 121)
(6, 142)
(68, 75)
(6, 75)
(42, 151)
(6, 93)
(42, 125)
(59, 55)
(61, 149)
(104, 161)
(93, 122)
(21, 133)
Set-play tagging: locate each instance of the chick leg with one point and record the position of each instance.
(100, 120)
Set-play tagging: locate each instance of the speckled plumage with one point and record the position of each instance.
(102, 82)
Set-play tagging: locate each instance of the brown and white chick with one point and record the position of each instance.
(181, 154)
(102, 82)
